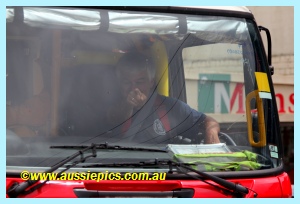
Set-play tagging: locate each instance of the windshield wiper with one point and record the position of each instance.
(235, 189)
(228, 187)
(20, 188)
(107, 146)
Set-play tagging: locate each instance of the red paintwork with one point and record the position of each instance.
(272, 187)
(291, 175)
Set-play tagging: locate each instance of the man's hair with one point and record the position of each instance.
(135, 61)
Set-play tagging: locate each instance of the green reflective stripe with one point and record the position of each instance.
(235, 161)
(250, 155)
(244, 155)
(228, 166)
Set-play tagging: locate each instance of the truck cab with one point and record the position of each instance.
(66, 112)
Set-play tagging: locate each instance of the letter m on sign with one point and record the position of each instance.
(214, 93)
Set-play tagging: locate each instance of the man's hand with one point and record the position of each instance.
(212, 130)
(120, 112)
(136, 98)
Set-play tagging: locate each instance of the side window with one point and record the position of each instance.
(215, 80)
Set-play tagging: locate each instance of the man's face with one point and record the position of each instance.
(131, 80)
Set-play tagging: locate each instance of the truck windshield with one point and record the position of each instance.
(197, 86)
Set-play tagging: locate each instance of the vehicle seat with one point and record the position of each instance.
(87, 90)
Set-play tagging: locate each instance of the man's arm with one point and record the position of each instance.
(212, 130)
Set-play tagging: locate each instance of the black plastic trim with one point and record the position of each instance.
(226, 175)
(181, 10)
(177, 193)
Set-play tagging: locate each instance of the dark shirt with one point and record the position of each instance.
(167, 119)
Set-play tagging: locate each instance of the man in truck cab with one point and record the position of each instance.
(145, 116)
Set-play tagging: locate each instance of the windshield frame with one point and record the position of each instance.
(263, 58)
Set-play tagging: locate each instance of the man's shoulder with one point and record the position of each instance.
(178, 108)
(169, 101)
(165, 99)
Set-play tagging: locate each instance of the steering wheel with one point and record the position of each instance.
(224, 138)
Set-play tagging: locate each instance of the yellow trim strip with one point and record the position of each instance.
(160, 56)
(262, 82)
